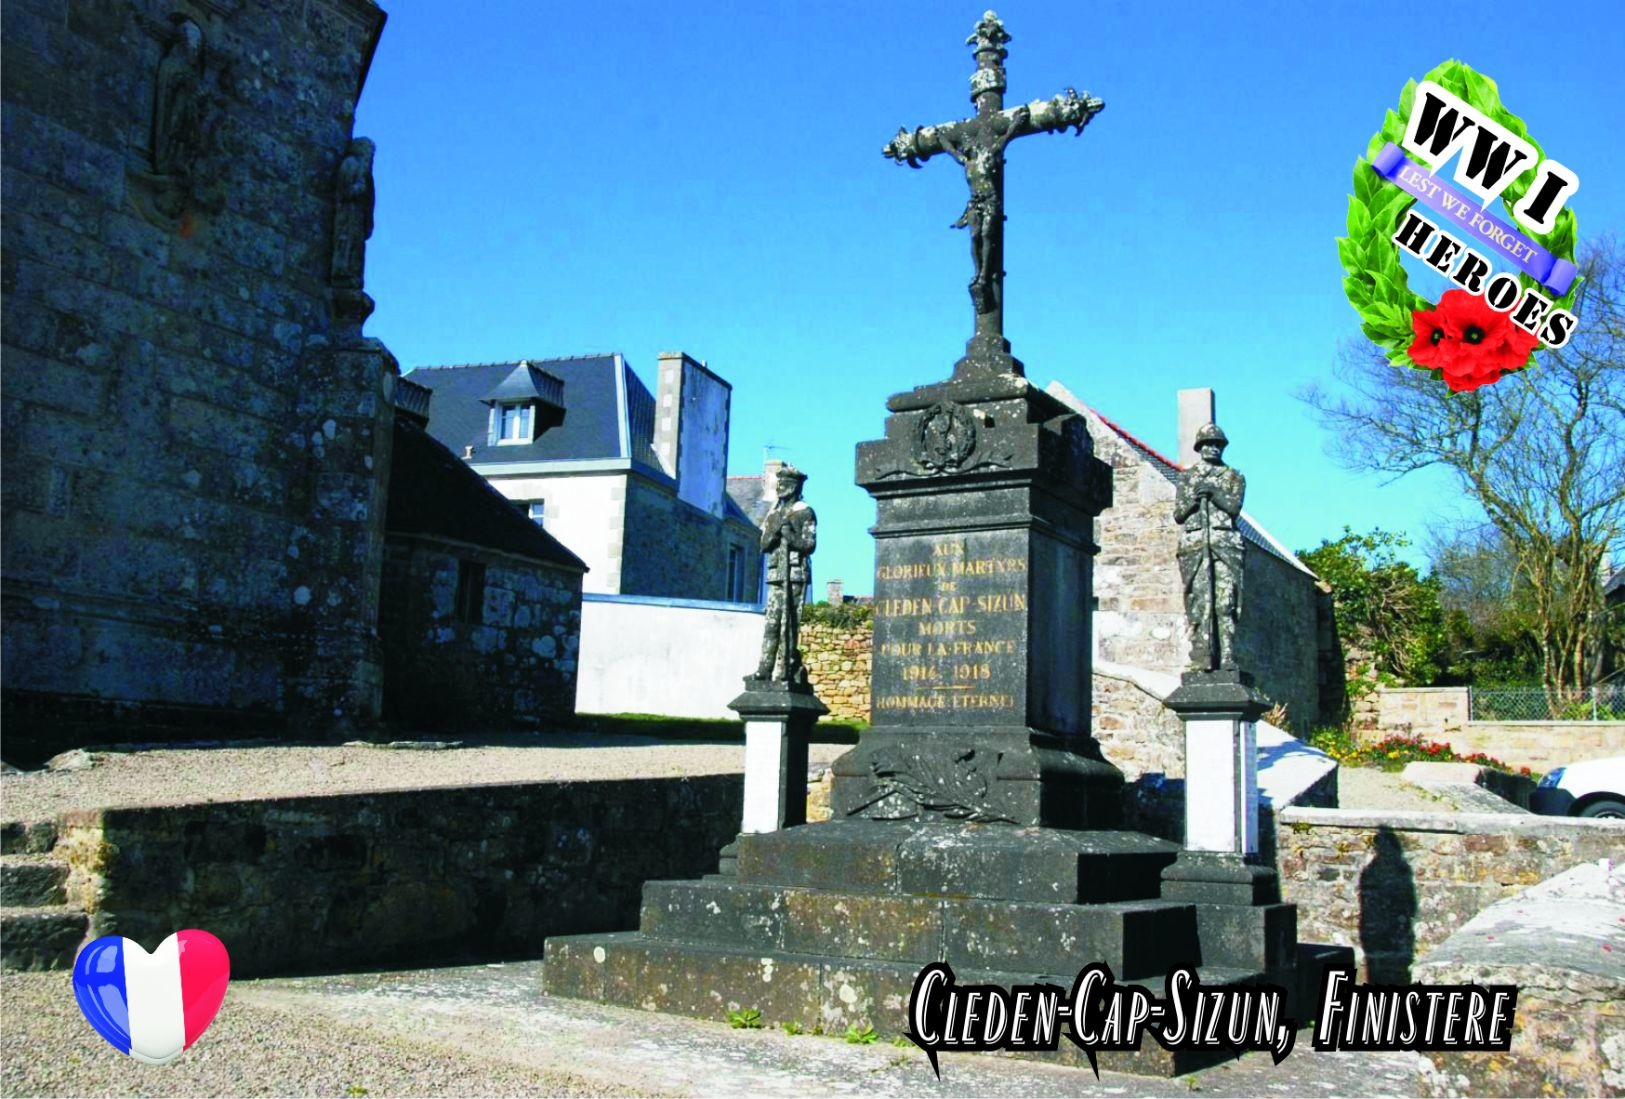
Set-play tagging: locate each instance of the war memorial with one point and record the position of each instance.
(976, 823)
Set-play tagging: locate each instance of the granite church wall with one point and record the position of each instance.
(406, 877)
(192, 489)
(672, 548)
(1140, 609)
(507, 657)
(1395, 885)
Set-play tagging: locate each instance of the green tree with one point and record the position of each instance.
(1540, 451)
(1491, 630)
(1384, 606)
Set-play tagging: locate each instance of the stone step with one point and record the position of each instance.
(1048, 865)
(41, 938)
(19, 837)
(32, 881)
(819, 993)
(1136, 938)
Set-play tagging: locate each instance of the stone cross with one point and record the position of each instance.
(978, 144)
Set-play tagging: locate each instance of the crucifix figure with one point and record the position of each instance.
(978, 144)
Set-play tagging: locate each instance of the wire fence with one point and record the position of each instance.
(1602, 703)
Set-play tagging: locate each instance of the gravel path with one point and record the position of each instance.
(172, 776)
(46, 1048)
(487, 1030)
(168, 776)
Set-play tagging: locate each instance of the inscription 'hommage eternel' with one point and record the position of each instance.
(945, 641)
(978, 144)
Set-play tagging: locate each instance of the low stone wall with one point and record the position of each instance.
(1562, 944)
(399, 877)
(838, 664)
(1426, 712)
(1540, 745)
(1394, 885)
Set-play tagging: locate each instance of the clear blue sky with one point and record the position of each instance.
(640, 177)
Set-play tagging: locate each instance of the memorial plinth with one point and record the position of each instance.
(975, 821)
(986, 490)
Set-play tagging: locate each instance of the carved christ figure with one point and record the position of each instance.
(1207, 506)
(978, 144)
(982, 156)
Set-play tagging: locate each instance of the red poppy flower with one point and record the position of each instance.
(1470, 343)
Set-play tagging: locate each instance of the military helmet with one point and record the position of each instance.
(1211, 433)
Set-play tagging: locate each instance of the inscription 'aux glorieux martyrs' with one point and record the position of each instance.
(946, 641)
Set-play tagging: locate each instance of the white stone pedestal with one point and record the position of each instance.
(778, 724)
(1221, 785)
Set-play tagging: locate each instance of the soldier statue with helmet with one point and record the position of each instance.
(1207, 506)
(789, 536)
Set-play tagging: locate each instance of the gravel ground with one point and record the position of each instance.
(170, 776)
(1369, 788)
(487, 1030)
(46, 1048)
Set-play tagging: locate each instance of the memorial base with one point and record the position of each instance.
(826, 926)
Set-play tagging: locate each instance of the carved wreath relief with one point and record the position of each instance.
(956, 788)
(944, 438)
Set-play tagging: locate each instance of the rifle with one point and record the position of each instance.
(1212, 592)
(790, 608)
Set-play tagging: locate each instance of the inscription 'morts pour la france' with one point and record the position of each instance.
(950, 615)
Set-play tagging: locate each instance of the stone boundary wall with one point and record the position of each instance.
(643, 654)
(405, 877)
(1540, 745)
(1427, 712)
(839, 664)
(1441, 714)
(1562, 944)
(1395, 885)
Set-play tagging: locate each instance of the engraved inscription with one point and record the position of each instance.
(950, 625)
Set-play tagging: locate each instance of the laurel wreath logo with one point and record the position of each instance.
(1375, 283)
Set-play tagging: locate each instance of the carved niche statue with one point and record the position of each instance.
(789, 536)
(1207, 506)
(173, 181)
(177, 114)
(352, 215)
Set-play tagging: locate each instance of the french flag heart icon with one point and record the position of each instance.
(152, 1006)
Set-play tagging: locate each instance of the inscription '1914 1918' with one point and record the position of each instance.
(944, 626)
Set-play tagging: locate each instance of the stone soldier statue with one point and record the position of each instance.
(789, 536)
(1207, 505)
(352, 215)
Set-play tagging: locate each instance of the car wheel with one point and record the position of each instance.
(1604, 807)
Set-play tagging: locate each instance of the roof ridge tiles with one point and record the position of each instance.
(533, 360)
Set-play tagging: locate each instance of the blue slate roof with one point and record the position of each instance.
(608, 412)
(433, 493)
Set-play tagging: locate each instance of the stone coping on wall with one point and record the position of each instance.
(1401, 820)
(672, 601)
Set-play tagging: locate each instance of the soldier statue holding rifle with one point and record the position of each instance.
(1207, 505)
(789, 536)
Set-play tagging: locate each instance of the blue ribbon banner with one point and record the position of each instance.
(1557, 275)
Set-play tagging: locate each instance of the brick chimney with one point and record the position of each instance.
(1197, 409)
(833, 592)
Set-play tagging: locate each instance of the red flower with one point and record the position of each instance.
(1470, 343)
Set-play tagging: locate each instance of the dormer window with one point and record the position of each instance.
(517, 424)
(524, 404)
